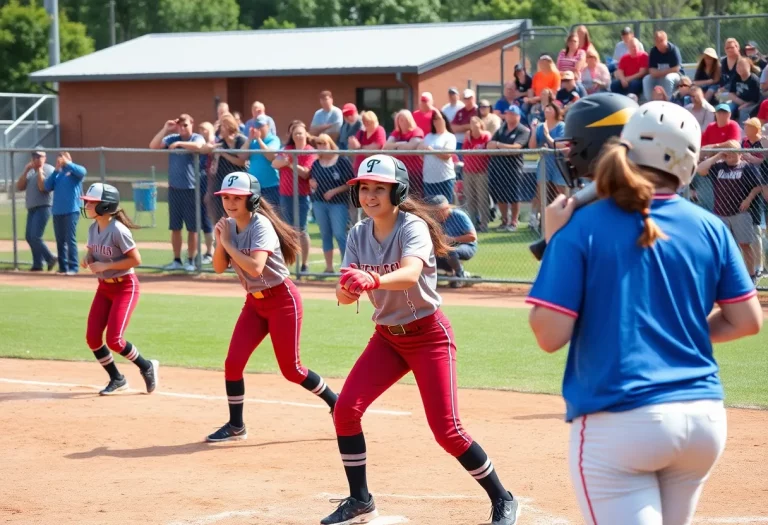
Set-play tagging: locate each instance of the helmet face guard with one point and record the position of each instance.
(563, 162)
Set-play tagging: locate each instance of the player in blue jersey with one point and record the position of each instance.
(644, 269)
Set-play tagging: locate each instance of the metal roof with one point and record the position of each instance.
(404, 48)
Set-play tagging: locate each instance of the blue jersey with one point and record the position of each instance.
(641, 336)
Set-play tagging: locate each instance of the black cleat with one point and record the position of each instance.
(115, 385)
(228, 433)
(505, 512)
(351, 511)
(150, 376)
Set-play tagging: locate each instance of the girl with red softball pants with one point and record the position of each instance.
(112, 256)
(257, 244)
(391, 255)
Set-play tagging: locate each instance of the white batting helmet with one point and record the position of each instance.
(666, 137)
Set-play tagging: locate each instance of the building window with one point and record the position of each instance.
(385, 102)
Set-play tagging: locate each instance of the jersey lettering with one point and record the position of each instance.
(102, 250)
(381, 269)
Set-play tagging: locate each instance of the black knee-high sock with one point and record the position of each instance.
(476, 461)
(353, 456)
(236, 398)
(106, 360)
(131, 353)
(316, 384)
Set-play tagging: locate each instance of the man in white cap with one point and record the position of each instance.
(423, 115)
(460, 123)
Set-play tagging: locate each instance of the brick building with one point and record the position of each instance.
(121, 96)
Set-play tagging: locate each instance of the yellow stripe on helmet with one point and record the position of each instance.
(619, 118)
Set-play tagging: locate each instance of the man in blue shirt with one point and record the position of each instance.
(461, 234)
(665, 66)
(182, 211)
(66, 183)
(261, 138)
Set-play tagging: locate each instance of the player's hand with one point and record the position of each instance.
(222, 232)
(97, 267)
(744, 205)
(357, 281)
(84, 262)
(349, 295)
(557, 215)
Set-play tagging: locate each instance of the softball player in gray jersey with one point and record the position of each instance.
(257, 244)
(391, 255)
(112, 255)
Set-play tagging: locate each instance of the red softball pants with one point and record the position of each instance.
(111, 309)
(279, 314)
(431, 354)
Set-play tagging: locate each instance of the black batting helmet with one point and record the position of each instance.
(382, 168)
(590, 122)
(105, 195)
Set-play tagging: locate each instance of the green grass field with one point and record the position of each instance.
(500, 255)
(37, 324)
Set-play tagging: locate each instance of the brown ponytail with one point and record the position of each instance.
(630, 186)
(289, 239)
(121, 216)
(439, 242)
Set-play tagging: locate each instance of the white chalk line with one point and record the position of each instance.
(195, 396)
(739, 521)
(275, 513)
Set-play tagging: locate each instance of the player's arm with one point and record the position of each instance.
(404, 277)
(87, 259)
(552, 329)
(345, 296)
(132, 260)
(252, 264)
(735, 320)
(220, 260)
(704, 167)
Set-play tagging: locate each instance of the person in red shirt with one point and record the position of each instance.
(460, 123)
(631, 70)
(762, 113)
(475, 174)
(721, 130)
(407, 136)
(299, 140)
(423, 115)
(369, 138)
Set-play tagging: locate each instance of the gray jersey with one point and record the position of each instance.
(260, 235)
(110, 245)
(35, 198)
(410, 238)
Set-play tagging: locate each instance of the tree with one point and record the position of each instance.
(24, 44)
(255, 13)
(198, 15)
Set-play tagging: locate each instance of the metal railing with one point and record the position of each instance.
(502, 252)
(691, 35)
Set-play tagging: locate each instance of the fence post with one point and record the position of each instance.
(296, 218)
(542, 178)
(717, 36)
(103, 165)
(13, 214)
(198, 214)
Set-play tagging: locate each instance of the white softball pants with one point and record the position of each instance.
(645, 466)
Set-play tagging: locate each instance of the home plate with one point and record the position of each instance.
(388, 520)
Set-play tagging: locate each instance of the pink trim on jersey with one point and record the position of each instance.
(552, 306)
(739, 299)
(269, 252)
(126, 253)
(581, 470)
(664, 196)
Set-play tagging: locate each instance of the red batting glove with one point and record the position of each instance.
(357, 281)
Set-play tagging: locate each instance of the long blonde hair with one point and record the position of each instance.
(632, 187)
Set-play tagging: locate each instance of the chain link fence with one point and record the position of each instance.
(501, 191)
(690, 35)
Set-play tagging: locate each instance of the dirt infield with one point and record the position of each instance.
(74, 457)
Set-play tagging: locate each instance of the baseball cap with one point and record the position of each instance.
(518, 67)
(426, 96)
(238, 183)
(546, 57)
(437, 200)
(484, 103)
(751, 44)
(723, 107)
(567, 75)
(348, 109)
(453, 91)
(468, 93)
(37, 154)
(626, 31)
(513, 109)
(710, 52)
(185, 116)
(260, 121)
